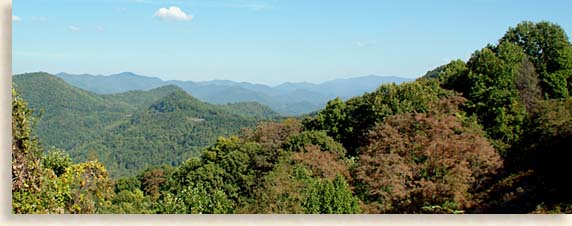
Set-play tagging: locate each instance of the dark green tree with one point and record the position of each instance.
(550, 51)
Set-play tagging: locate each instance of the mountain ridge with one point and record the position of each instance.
(289, 98)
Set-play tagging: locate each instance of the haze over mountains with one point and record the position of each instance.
(287, 99)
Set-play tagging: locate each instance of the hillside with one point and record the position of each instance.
(69, 116)
(129, 131)
(287, 99)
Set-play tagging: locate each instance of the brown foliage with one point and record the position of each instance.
(272, 135)
(418, 160)
(323, 164)
(152, 180)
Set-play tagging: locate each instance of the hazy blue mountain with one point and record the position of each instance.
(287, 99)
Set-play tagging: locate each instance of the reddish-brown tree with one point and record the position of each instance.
(429, 162)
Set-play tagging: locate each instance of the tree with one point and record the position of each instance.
(550, 51)
(130, 202)
(528, 85)
(151, 181)
(56, 160)
(26, 160)
(294, 188)
(348, 122)
(416, 161)
(490, 85)
(454, 76)
(88, 188)
(298, 142)
(330, 197)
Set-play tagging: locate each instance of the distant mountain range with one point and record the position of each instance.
(287, 99)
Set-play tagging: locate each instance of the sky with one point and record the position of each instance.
(262, 41)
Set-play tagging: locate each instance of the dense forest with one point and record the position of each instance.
(489, 135)
(129, 131)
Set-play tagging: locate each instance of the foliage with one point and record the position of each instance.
(299, 141)
(50, 184)
(348, 122)
(88, 188)
(293, 188)
(26, 157)
(130, 202)
(417, 160)
(550, 51)
(56, 160)
(330, 197)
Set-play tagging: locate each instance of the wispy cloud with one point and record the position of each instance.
(362, 44)
(74, 28)
(16, 18)
(99, 28)
(39, 18)
(144, 1)
(38, 54)
(252, 5)
(173, 13)
(120, 10)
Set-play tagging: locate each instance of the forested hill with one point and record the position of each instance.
(129, 131)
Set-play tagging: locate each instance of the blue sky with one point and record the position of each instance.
(263, 41)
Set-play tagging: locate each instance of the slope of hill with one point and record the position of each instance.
(132, 130)
(70, 116)
(287, 98)
(140, 98)
(170, 130)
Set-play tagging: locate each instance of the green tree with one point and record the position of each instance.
(130, 202)
(320, 138)
(57, 160)
(550, 50)
(330, 197)
(494, 97)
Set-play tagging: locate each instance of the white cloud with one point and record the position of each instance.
(99, 28)
(173, 13)
(74, 28)
(363, 44)
(16, 18)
